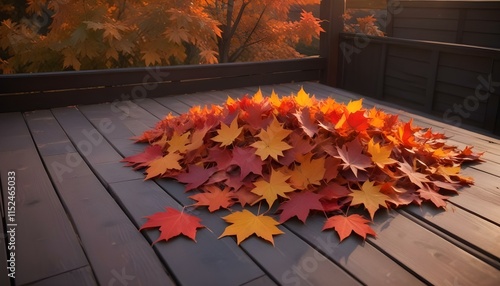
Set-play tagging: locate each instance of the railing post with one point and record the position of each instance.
(331, 13)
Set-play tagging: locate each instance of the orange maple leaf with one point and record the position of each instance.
(160, 166)
(214, 198)
(172, 223)
(309, 172)
(370, 196)
(277, 186)
(271, 141)
(380, 154)
(245, 223)
(227, 134)
(178, 142)
(344, 225)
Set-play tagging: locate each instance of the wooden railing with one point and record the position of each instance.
(22, 92)
(458, 83)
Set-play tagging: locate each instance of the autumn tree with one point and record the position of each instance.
(95, 34)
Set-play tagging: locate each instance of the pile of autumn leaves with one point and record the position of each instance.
(293, 156)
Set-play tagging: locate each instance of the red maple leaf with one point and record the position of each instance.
(195, 176)
(358, 121)
(351, 154)
(344, 225)
(248, 162)
(173, 223)
(299, 205)
(143, 159)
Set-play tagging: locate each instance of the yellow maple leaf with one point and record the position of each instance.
(274, 99)
(277, 186)
(227, 134)
(160, 166)
(271, 141)
(370, 196)
(245, 223)
(178, 143)
(269, 145)
(258, 97)
(303, 98)
(380, 155)
(309, 172)
(354, 106)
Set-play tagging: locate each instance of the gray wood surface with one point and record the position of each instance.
(46, 243)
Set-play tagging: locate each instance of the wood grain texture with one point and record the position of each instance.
(110, 240)
(46, 243)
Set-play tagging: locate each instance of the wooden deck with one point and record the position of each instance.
(78, 210)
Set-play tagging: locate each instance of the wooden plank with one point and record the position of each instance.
(78, 277)
(434, 13)
(368, 264)
(106, 233)
(427, 35)
(428, 255)
(408, 66)
(483, 40)
(426, 23)
(491, 14)
(483, 26)
(148, 76)
(431, 81)
(41, 251)
(90, 143)
(416, 54)
(463, 226)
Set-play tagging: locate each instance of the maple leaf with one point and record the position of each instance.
(143, 159)
(351, 154)
(380, 155)
(178, 143)
(195, 176)
(306, 122)
(271, 142)
(173, 223)
(358, 121)
(345, 225)
(214, 198)
(245, 223)
(333, 191)
(436, 198)
(415, 177)
(277, 186)
(227, 134)
(248, 162)
(303, 98)
(299, 205)
(309, 172)
(160, 166)
(370, 196)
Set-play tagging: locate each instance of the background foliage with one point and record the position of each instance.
(51, 35)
